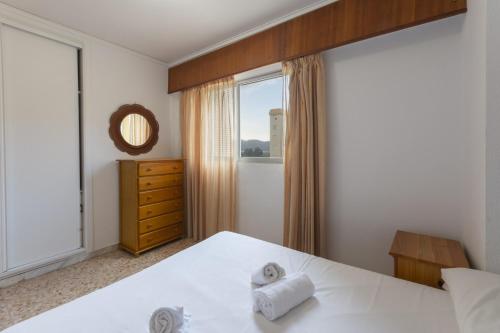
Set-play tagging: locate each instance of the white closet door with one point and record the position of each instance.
(41, 147)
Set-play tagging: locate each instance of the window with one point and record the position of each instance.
(261, 118)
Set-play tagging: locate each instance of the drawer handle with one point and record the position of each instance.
(149, 226)
(148, 170)
(148, 184)
(149, 198)
(149, 212)
(149, 240)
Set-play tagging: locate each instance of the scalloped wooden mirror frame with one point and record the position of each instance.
(115, 129)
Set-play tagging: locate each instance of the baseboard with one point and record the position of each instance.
(11, 280)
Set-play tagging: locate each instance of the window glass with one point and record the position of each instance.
(261, 118)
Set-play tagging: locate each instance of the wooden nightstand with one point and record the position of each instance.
(419, 258)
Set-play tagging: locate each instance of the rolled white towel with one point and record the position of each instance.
(167, 320)
(269, 273)
(276, 299)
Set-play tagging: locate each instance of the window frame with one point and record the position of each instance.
(247, 81)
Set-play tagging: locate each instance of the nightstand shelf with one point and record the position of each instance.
(420, 258)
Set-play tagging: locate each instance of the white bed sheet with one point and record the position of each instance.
(211, 281)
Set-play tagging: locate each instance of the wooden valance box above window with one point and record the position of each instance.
(334, 25)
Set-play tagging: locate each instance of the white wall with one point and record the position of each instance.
(493, 138)
(117, 77)
(260, 201)
(474, 68)
(402, 146)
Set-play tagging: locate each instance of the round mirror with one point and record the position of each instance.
(135, 129)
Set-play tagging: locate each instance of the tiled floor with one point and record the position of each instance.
(31, 297)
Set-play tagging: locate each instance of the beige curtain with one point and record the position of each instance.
(208, 126)
(304, 216)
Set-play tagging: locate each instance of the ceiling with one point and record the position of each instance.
(167, 30)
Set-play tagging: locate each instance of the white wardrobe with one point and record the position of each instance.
(41, 219)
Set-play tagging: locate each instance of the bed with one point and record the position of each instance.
(211, 281)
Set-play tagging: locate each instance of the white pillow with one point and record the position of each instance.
(476, 296)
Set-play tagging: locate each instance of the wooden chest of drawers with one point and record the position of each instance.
(151, 203)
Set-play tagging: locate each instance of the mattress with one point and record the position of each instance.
(211, 281)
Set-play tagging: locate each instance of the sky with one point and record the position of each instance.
(256, 99)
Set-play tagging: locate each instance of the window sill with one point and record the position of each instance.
(261, 160)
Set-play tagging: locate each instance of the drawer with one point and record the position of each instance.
(169, 193)
(165, 234)
(146, 212)
(156, 182)
(160, 168)
(160, 222)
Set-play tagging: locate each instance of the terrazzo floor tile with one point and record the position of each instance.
(34, 296)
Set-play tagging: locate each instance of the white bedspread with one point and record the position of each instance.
(211, 281)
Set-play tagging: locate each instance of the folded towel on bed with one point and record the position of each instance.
(269, 273)
(276, 299)
(167, 320)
